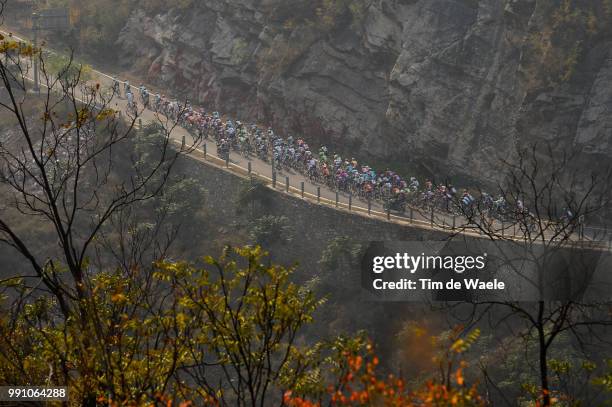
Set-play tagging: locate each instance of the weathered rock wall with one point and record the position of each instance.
(443, 85)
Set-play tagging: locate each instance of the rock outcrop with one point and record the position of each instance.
(447, 86)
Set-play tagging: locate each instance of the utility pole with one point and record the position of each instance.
(36, 28)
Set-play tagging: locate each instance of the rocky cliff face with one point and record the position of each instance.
(449, 85)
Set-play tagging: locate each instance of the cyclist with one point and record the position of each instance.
(428, 185)
(567, 216)
(467, 199)
(130, 98)
(312, 166)
(414, 184)
(145, 98)
(158, 100)
(116, 89)
(323, 154)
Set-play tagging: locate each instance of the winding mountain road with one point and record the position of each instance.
(294, 183)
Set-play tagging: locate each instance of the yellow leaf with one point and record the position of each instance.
(118, 298)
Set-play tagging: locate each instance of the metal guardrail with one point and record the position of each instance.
(368, 212)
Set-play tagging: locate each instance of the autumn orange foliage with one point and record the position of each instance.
(360, 385)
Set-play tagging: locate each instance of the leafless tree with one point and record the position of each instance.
(538, 218)
(66, 166)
